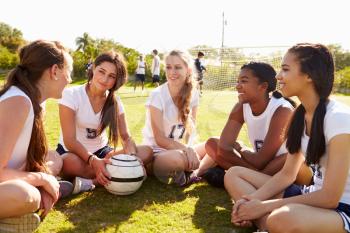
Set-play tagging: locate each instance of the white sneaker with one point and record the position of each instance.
(24, 224)
(82, 185)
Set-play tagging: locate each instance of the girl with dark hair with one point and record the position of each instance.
(266, 118)
(86, 111)
(27, 169)
(319, 133)
(170, 122)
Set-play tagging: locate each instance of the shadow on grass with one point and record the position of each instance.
(98, 210)
(213, 210)
(164, 208)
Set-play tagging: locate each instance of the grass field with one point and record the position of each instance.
(156, 207)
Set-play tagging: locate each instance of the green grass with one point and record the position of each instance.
(156, 207)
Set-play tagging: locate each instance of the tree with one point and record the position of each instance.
(11, 38)
(341, 57)
(83, 42)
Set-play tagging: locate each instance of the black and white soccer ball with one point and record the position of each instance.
(127, 174)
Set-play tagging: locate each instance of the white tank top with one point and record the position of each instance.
(258, 126)
(19, 153)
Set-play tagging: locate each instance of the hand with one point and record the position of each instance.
(192, 157)
(234, 215)
(251, 210)
(99, 166)
(46, 203)
(238, 145)
(50, 185)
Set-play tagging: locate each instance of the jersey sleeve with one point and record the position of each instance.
(121, 108)
(69, 99)
(154, 100)
(335, 124)
(195, 99)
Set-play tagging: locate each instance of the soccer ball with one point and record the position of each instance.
(127, 174)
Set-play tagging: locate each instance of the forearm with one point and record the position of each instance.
(227, 158)
(316, 199)
(256, 159)
(33, 178)
(170, 144)
(77, 148)
(274, 186)
(129, 146)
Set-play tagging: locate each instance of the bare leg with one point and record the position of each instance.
(74, 166)
(18, 198)
(168, 163)
(54, 162)
(304, 218)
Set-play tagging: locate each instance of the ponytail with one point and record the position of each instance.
(296, 130)
(317, 143)
(183, 102)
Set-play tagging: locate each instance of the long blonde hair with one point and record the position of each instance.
(183, 100)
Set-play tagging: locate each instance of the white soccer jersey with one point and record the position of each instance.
(156, 65)
(141, 65)
(86, 120)
(258, 126)
(19, 153)
(160, 98)
(336, 122)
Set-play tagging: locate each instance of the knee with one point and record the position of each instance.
(234, 171)
(283, 219)
(172, 160)
(25, 198)
(211, 147)
(146, 154)
(54, 162)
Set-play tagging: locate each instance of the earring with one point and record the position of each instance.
(55, 78)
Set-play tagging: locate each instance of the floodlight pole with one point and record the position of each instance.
(223, 29)
(222, 38)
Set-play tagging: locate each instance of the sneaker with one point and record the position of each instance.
(24, 224)
(179, 178)
(215, 176)
(66, 189)
(184, 179)
(82, 185)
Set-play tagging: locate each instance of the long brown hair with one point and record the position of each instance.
(317, 62)
(183, 100)
(109, 114)
(35, 58)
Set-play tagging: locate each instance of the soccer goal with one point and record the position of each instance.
(223, 64)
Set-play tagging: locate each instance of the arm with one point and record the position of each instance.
(67, 119)
(229, 136)
(273, 140)
(9, 133)
(129, 145)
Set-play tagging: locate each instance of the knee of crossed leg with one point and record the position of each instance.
(24, 197)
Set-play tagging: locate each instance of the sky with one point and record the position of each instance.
(165, 25)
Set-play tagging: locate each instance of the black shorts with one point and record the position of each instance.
(155, 79)
(140, 77)
(101, 153)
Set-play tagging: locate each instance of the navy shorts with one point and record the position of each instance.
(101, 153)
(155, 79)
(140, 77)
(343, 209)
